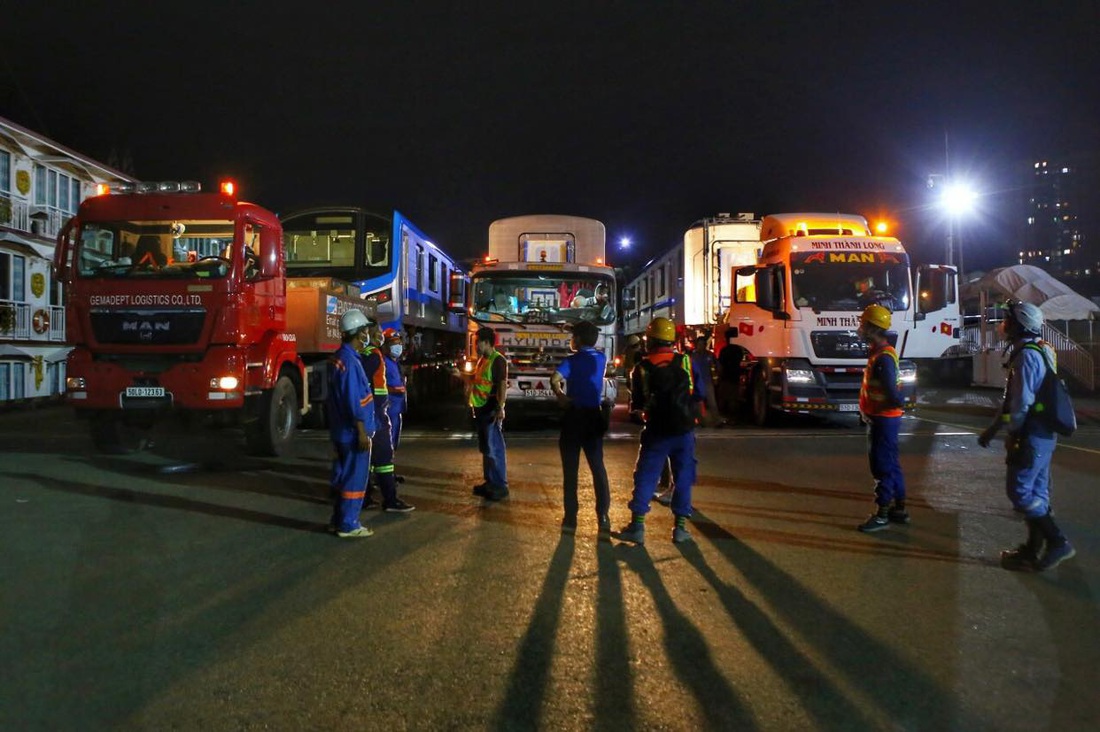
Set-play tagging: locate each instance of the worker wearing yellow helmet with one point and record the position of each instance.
(880, 404)
(665, 395)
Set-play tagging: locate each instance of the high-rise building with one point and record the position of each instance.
(1060, 234)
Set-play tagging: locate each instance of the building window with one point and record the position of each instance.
(18, 380)
(5, 381)
(13, 270)
(433, 279)
(5, 171)
(39, 186)
(74, 198)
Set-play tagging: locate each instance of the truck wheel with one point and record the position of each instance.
(271, 433)
(761, 411)
(112, 436)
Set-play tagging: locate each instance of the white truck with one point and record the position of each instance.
(542, 275)
(795, 312)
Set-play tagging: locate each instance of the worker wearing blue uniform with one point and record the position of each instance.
(665, 395)
(382, 452)
(578, 384)
(880, 405)
(351, 421)
(392, 348)
(1030, 443)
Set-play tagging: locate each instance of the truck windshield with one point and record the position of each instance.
(544, 297)
(180, 249)
(327, 244)
(849, 281)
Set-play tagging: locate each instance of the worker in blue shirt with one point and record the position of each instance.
(382, 454)
(1030, 444)
(351, 421)
(578, 384)
(880, 405)
(392, 348)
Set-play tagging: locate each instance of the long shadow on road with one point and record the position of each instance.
(905, 692)
(688, 652)
(527, 688)
(821, 698)
(614, 679)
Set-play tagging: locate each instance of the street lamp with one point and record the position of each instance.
(624, 242)
(957, 199)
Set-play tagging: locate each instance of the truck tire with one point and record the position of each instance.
(111, 435)
(761, 409)
(271, 433)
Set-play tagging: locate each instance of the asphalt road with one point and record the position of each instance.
(195, 588)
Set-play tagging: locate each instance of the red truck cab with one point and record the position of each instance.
(176, 302)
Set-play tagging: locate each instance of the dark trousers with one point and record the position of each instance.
(882, 441)
(583, 429)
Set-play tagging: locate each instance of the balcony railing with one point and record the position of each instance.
(21, 323)
(23, 216)
(1073, 359)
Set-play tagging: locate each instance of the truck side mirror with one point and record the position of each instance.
(769, 290)
(456, 302)
(269, 263)
(936, 288)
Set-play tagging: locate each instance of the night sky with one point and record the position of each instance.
(647, 115)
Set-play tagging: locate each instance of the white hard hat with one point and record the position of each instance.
(1028, 316)
(352, 321)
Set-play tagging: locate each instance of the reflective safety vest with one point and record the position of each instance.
(872, 395)
(483, 380)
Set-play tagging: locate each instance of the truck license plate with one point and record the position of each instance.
(145, 391)
(538, 392)
(847, 407)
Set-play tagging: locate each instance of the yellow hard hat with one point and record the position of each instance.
(877, 315)
(661, 329)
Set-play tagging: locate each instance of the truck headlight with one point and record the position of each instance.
(800, 376)
(907, 374)
(225, 383)
(75, 383)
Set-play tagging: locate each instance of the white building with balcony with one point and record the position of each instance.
(41, 185)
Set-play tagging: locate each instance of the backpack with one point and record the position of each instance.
(669, 407)
(1053, 406)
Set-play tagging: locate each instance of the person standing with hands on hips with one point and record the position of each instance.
(578, 385)
(351, 422)
(1030, 444)
(880, 406)
(486, 396)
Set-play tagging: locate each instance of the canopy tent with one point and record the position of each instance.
(1031, 284)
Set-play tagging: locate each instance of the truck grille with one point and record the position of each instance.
(838, 344)
(147, 327)
(536, 358)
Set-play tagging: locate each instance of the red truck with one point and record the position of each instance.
(177, 303)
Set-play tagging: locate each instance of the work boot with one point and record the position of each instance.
(398, 506)
(1020, 559)
(604, 523)
(680, 535)
(897, 513)
(496, 492)
(358, 532)
(1055, 555)
(877, 521)
(481, 489)
(633, 532)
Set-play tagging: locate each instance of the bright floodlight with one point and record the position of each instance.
(958, 198)
(624, 242)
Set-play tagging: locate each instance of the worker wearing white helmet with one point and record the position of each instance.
(350, 413)
(1030, 443)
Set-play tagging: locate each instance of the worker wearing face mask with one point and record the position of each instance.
(393, 347)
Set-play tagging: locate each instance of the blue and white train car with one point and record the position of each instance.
(399, 270)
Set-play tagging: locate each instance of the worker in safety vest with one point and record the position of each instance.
(486, 395)
(1030, 444)
(880, 406)
(666, 397)
(382, 453)
(350, 422)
